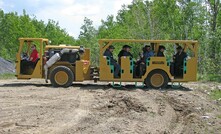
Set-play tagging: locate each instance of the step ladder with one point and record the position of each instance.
(94, 74)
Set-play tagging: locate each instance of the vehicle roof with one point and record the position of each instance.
(147, 41)
(34, 39)
(61, 46)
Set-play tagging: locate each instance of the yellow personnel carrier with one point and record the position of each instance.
(158, 69)
(64, 64)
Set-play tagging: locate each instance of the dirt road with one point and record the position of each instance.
(35, 107)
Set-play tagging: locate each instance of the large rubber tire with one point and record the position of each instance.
(61, 76)
(157, 79)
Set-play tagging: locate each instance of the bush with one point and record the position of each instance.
(216, 94)
(7, 76)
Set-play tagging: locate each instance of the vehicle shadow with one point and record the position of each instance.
(128, 87)
(25, 85)
(95, 86)
(168, 88)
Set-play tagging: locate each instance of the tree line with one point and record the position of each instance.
(14, 26)
(142, 19)
(169, 20)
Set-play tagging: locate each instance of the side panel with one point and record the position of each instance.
(79, 76)
(87, 64)
(86, 69)
(105, 70)
(18, 64)
(86, 55)
(18, 58)
(125, 67)
(191, 70)
(38, 70)
(35, 73)
(158, 63)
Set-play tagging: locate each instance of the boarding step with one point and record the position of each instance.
(95, 74)
(139, 84)
(96, 78)
(176, 85)
(116, 84)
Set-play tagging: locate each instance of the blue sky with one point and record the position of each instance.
(69, 13)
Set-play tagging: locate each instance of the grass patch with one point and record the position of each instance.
(7, 76)
(219, 116)
(209, 77)
(216, 94)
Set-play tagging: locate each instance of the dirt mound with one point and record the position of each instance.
(120, 104)
(6, 66)
(125, 112)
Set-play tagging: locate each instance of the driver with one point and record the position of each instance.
(34, 54)
(31, 61)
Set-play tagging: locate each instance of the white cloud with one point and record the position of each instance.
(5, 4)
(118, 4)
(1, 4)
(59, 2)
(70, 13)
(33, 3)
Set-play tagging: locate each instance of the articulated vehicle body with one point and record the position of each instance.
(64, 64)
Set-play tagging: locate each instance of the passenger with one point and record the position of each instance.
(31, 61)
(178, 61)
(160, 52)
(109, 53)
(141, 60)
(121, 53)
(147, 53)
(141, 64)
(125, 51)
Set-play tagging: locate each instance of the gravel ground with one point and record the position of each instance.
(35, 107)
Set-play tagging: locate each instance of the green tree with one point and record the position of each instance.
(14, 26)
(88, 38)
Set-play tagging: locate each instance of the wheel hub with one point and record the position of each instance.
(61, 77)
(157, 80)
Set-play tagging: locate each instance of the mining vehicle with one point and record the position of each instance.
(64, 64)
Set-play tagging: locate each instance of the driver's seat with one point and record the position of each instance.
(29, 69)
(35, 63)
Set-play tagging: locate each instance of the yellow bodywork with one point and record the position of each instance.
(81, 68)
(38, 71)
(155, 63)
